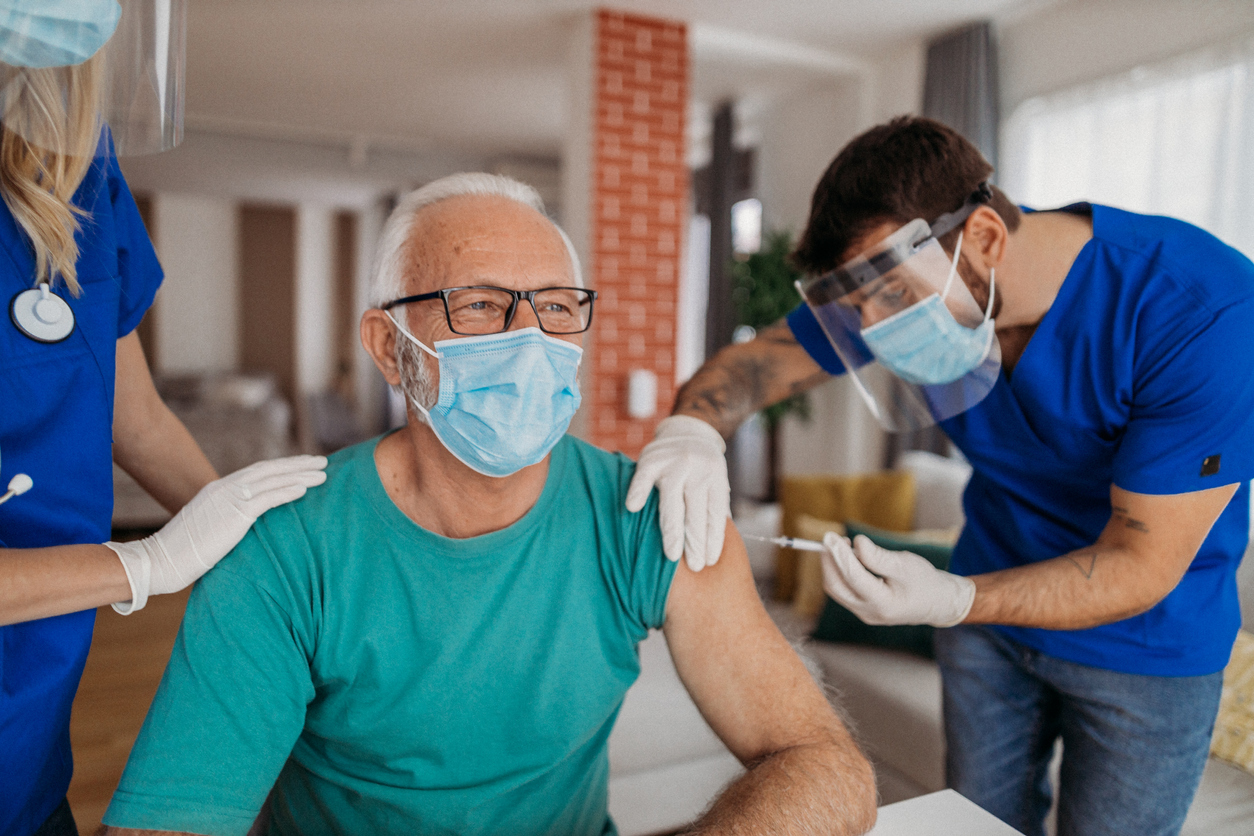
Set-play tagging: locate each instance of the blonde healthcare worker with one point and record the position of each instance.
(77, 273)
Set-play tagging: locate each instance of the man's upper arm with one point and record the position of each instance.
(750, 686)
(1164, 532)
(229, 709)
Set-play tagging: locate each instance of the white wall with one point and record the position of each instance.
(1072, 43)
(197, 325)
(799, 138)
(897, 81)
(315, 298)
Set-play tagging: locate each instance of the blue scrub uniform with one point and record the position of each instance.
(56, 420)
(1138, 376)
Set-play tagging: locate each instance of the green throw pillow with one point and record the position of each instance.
(837, 624)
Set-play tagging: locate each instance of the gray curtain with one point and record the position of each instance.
(960, 88)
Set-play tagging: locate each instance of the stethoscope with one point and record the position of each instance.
(41, 315)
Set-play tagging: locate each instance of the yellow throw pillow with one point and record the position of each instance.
(1234, 727)
(884, 500)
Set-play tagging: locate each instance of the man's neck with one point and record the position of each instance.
(439, 493)
(1036, 263)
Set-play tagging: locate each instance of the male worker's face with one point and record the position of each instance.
(897, 290)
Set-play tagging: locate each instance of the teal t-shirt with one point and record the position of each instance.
(396, 681)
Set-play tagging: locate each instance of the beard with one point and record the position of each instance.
(417, 385)
(979, 287)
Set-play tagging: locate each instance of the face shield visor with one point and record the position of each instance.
(911, 337)
(69, 66)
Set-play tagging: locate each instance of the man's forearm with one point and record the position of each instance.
(822, 788)
(742, 379)
(1082, 589)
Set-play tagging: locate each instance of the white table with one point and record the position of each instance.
(943, 813)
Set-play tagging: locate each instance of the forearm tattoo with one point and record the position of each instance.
(1085, 560)
(741, 380)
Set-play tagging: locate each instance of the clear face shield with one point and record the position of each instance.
(67, 66)
(911, 337)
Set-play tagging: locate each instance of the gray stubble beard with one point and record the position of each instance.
(417, 383)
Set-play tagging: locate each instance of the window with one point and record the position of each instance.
(1173, 139)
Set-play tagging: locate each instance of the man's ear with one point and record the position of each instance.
(984, 238)
(378, 337)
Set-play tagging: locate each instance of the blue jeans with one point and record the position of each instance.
(1133, 746)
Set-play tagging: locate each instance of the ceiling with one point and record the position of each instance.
(489, 76)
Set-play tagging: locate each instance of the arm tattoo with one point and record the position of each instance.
(1129, 522)
(741, 380)
(1080, 558)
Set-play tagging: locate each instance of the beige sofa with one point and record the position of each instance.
(666, 764)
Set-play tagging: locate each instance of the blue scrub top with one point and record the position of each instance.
(56, 419)
(1137, 376)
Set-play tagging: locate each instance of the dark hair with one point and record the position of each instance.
(908, 168)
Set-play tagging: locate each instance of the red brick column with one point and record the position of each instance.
(639, 209)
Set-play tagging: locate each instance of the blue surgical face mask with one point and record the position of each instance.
(54, 33)
(505, 399)
(925, 345)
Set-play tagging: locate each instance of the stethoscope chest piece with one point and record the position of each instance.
(42, 315)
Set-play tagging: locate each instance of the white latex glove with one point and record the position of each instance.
(885, 587)
(209, 526)
(685, 460)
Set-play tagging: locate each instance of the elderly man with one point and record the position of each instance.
(439, 639)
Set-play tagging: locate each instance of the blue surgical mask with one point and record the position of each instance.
(925, 345)
(505, 399)
(54, 33)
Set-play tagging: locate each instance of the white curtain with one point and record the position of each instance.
(1173, 139)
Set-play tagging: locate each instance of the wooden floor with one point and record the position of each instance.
(127, 657)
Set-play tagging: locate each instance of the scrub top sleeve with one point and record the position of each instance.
(230, 707)
(139, 271)
(809, 335)
(1192, 420)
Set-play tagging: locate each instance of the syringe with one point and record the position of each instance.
(790, 543)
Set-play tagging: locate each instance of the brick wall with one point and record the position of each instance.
(639, 209)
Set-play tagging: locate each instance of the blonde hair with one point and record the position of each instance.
(48, 134)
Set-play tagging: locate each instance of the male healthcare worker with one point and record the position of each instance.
(1094, 367)
(77, 272)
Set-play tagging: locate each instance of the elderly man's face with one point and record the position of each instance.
(481, 240)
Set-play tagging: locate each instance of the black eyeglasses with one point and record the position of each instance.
(489, 310)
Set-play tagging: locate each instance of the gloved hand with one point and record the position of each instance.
(685, 461)
(209, 526)
(908, 589)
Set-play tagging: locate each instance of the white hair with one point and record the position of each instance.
(388, 280)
